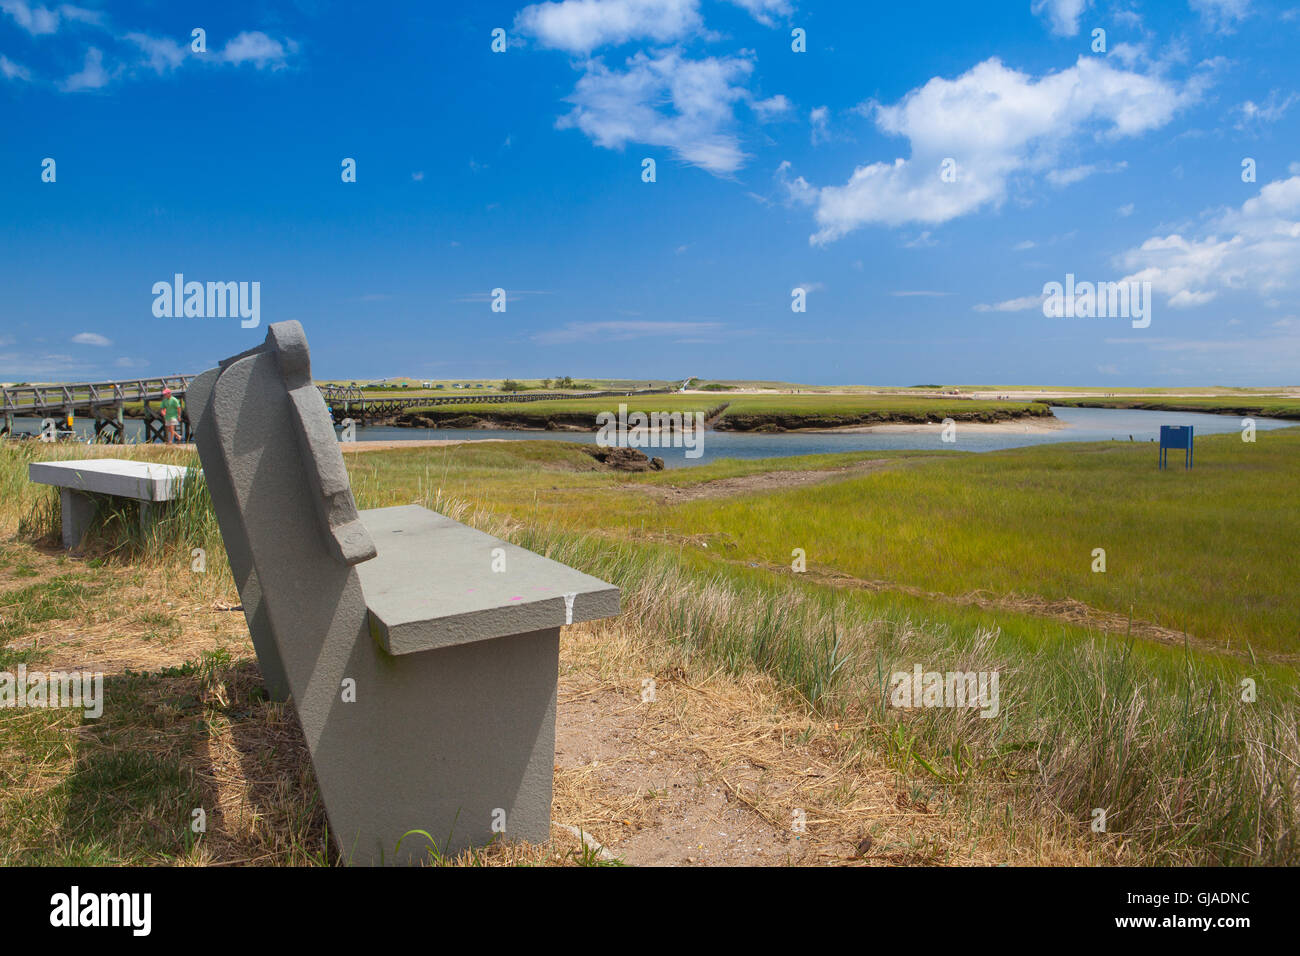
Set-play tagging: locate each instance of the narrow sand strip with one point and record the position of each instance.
(389, 443)
(1012, 427)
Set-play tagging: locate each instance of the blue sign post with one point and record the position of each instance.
(1176, 436)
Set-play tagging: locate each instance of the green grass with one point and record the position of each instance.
(60, 599)
(1210, 551)
(578, 412)
(1160, 736)
(751, 412)
(1187, 770)
(741, 412)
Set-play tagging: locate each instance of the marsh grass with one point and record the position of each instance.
(1188, 772)
(747, 412)
(1209, 552)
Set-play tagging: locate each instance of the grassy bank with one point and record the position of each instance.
(1158, 736)
(1208, 551)
(786, 412)
(576, 413)
(1094, 712)
(733, 412)
(1186, 771)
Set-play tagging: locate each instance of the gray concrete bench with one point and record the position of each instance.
(78, 481)
(424, 680)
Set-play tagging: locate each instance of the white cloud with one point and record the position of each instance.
(255, 47)
(1255, 114)
(618, 331)
(766, 11)
(35, 20)
(1184, 299)
(42, 21)
(1130, 54)
(1067, 177)
(579, 26)
(1221, 15)
(772, 106)
(664, 100)
(161, 53)
(1022, 304)
(1074, 174)
(997, 124)
(27, 366)
(1062, 16)
(1125, 210)
(12, 70)
(820, 120)
(91, 338)
(1254, 248)
(512, 295)
(92, 75)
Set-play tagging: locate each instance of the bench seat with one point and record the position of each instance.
(432, 585)
(143, 480)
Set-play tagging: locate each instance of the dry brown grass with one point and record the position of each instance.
(653, 782)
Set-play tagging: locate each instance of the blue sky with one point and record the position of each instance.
(775, 169)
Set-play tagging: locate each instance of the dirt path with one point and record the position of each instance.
(764, 481)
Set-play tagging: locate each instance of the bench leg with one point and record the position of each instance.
(78, 512)
(149, 511)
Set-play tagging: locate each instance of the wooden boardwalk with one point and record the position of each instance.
(105, 403)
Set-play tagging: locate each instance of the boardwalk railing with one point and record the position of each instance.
(104, 402)
(351, 401)
(54, 399)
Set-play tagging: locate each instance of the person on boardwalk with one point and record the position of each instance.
(171, 415)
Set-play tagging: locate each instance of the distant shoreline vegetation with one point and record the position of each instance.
(756, 413)
(1288, 408)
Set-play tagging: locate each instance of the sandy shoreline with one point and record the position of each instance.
(384, 444)
(1019, 426)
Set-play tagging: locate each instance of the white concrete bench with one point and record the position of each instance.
(77, 481)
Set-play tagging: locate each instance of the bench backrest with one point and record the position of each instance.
(280, 490)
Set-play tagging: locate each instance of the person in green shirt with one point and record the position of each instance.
(171, 414)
